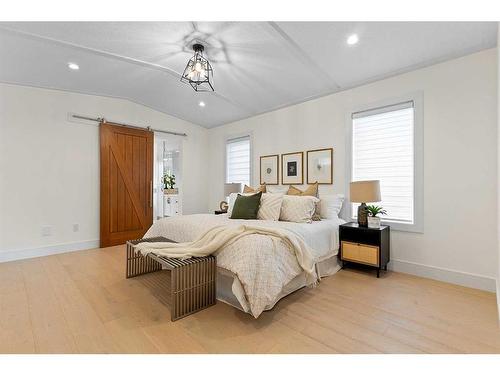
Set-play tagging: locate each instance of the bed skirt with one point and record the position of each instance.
(230, 290)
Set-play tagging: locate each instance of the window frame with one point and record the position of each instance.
(418, 157)
(233, 137)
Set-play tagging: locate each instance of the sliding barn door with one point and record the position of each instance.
(126, 183)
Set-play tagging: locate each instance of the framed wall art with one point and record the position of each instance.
(320, 166)
(269, 170)
(292, 168)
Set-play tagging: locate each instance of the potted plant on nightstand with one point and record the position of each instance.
(373, 219)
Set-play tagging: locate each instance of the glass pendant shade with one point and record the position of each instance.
(198, 72)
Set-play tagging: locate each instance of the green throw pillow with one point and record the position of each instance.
(246, 207)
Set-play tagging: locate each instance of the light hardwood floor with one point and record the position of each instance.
(81, 303)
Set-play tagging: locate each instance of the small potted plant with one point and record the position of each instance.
(373, 219)
(169, 183)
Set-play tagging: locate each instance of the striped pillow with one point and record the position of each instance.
(270, 207)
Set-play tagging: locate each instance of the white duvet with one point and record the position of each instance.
(263, 264)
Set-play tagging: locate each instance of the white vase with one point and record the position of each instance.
(373, 222)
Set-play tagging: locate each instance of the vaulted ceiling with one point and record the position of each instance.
(258, 66)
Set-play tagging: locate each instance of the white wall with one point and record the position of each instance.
(49, 167)
(460, 176)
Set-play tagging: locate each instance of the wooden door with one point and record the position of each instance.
(126, 183)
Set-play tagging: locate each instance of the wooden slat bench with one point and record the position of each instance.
(193, 280)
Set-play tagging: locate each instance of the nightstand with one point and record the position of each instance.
(219, 212)
(368, 246)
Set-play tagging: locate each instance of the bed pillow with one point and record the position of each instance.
(270, 207)
(248, 189)
(330, 205)
(246, 207)
(312, 190)
(230, 202)
(232, 199)
(299, 209)
(276, 189)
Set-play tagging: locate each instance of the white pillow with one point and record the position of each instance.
(275, 189)
(298, 209)
(330, 206)
(270, 207)
(230, 202)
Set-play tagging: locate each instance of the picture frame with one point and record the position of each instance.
(320, 166)
(269, 169)
(292, 168)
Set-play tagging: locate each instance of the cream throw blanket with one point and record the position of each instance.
(217, 238)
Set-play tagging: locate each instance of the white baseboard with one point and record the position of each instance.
(10, 255)
(470, 280)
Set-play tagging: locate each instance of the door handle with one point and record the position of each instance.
(151, 194)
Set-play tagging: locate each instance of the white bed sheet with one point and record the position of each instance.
(322, 236)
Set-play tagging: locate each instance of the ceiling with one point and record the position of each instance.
(258, 66)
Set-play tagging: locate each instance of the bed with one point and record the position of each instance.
(256, 271)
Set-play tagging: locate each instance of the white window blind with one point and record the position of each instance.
(238, 160)
(383, 149)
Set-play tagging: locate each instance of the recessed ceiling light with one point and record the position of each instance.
(201, 104)
(73, 66)
(353, 39)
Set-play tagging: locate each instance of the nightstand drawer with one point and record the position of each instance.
(360, 253)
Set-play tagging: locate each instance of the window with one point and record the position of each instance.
(238, 160)
(383, 148)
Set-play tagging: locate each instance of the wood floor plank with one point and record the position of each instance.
(363, 318)
(356, 332)
(211, 329)
(16, 334)
(422, 326)
(81, 302)
(11, 278)
(336, 341)
(50, 329)
(129, 339)
(475, 323)
(161, 336)
(89, 333)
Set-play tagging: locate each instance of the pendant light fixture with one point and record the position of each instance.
(198, 72)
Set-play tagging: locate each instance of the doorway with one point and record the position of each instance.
(167, 186)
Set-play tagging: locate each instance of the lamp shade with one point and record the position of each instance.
(365, 191)
(232, 188)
